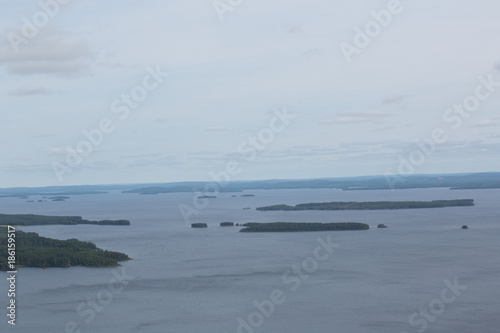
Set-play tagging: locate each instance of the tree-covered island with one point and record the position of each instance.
(373, 205)
(303, 226)
(199, 225)
(30, 219)
(33, 250)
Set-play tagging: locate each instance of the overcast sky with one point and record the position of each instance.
(357, 112)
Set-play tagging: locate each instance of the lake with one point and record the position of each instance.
(423, 273)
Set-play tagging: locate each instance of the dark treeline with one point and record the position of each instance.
(375, 205)
(29, 219)
(305, 226)
(199, 225)
(250, 224)
(35, 251)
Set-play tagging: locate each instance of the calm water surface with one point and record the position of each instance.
(188, 280)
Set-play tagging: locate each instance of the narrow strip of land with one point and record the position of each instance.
(30, 219)
(303, 226)
(371, 205)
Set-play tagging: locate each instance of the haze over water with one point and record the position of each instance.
(189, 280)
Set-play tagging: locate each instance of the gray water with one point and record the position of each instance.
(189, 280)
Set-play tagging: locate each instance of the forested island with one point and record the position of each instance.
(373, 205)
(59, 198)
(303, 226)
(35, 251)
(30, 219)
(199, 225)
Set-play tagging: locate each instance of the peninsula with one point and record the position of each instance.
(32, 250)
(373, 205)
(30, 219)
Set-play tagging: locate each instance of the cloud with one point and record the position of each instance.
(294, 29)
(64, 151)
(215, 129)
(33, 91)
(153, 160)
(487, 123)
(361, 152)
(352, 117)
(161, 120)
(351, 153)
(41, 136)
(311, 54)
(204, 153)
(50, 52)
(395, 99)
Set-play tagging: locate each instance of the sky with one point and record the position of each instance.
(120, 91)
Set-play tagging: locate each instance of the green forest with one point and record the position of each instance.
(35, 251)
(374, 205)
(199, 225)
(30, 219)
(304, 226)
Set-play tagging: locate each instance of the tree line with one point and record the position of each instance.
(33, 250)
(374, 205)
(30, 219)
(304, 226)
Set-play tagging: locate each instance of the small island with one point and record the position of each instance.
(227, 224)
(247, 195)
(199, 225)
(302, 226)
(30, 219)
(373, 205)
(381, 226)
(207, 197)
(33, 250)
(59, 198)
